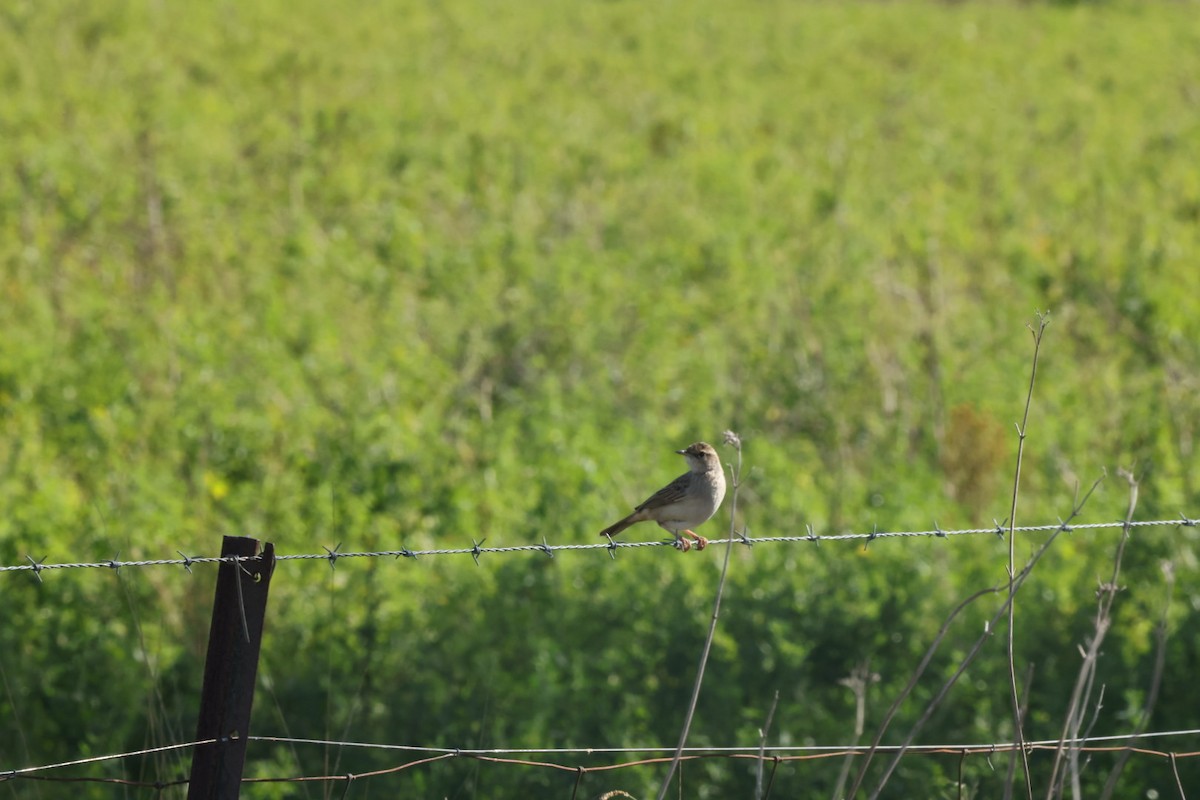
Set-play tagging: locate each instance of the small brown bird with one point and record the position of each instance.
(685, 502)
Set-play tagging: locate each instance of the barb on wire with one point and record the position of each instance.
(37, 567)
(611, 546)
(332, 555)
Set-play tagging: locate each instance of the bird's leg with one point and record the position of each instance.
(682, 544)
(701, 542)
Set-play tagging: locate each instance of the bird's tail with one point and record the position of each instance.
(617, 527)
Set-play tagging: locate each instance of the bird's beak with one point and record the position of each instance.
(682, 452)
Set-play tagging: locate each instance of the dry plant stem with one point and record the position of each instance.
(771, 780)
(712, 628)
(1012, 755)
(1178, 782)
(1097, 707)
(1080, 695)
(762, 748)
(912, 683)
(1160, 659)
(967, 660)
(1018, 726)
(858, 682)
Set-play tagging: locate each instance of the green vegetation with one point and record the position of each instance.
(413, 273)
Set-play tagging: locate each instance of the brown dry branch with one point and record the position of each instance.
(970, 657)
(1178, 782)
(1014, 581)
(858, 682)
(1080, 696)
(912, 683)
(1160, 661)
(762, 748)
(1012, 756)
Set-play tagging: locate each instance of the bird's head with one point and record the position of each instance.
(701, 457)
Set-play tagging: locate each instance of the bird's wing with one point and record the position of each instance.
(672, 493)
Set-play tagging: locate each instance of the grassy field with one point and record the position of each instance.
(413, 274)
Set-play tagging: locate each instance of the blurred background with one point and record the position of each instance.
(413, 274)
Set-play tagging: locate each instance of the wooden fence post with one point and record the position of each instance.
(234, 640)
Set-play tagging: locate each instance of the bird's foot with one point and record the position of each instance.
(681, 544)
(701, 542)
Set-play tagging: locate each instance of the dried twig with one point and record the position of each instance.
(1022, 429)
(762, 748)
(971, 654)
(1012, 756)
(858, 682)
(732, 439)
(1160, 660)
(1106, 594)
(1014, 582)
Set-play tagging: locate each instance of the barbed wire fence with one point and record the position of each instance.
(478, 549)
(580, 762)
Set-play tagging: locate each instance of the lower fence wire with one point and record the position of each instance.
(521, 757)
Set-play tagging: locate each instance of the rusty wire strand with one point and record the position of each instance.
(754, 748)
(504, 755)
(775, 755)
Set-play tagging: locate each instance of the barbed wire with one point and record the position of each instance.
(611, 546)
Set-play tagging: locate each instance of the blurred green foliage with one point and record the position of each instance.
(410, 273)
